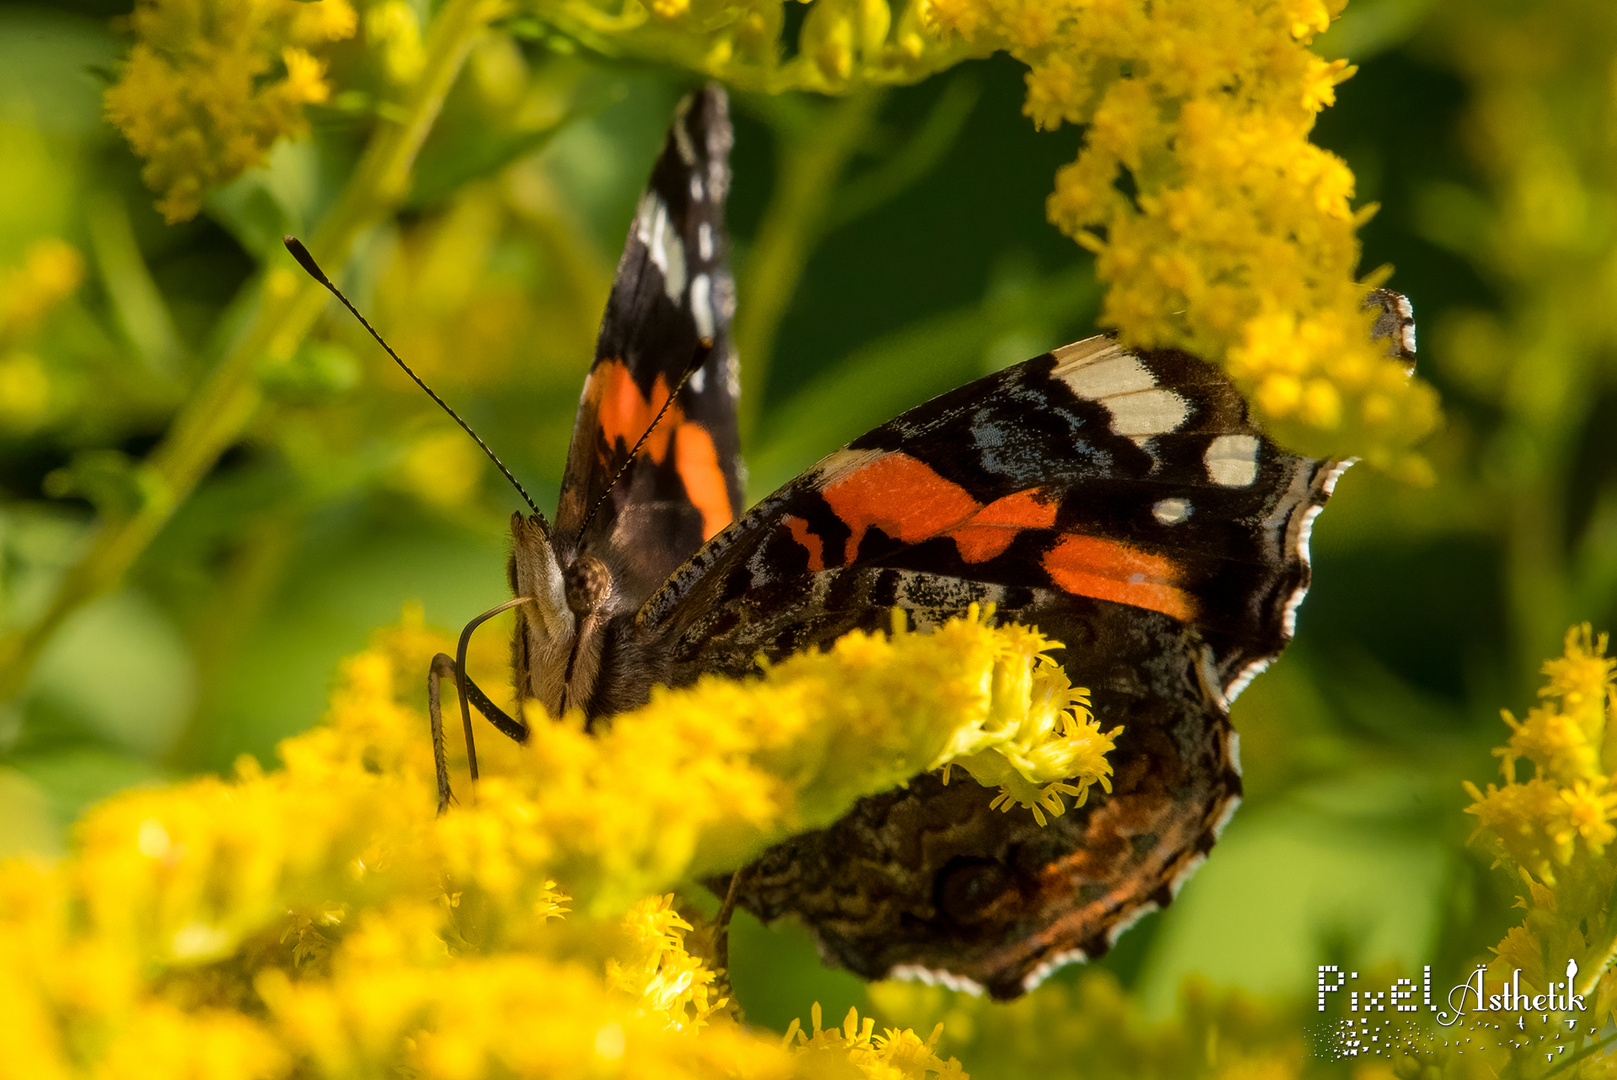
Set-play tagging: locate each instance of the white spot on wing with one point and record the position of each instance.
(1407, 312)
(698, 380)
(917, 973)
(1171, 511)
(1185, 872)
(1232, 460)
(1099, 370)
(1100, 374)
(762, 571)
(1248, 673)
(682, 138)
(663, 245)
(1335, 474)
(704, 238)
(1146, 413)
(1127, 921)
(697, 194)
(1225, 815)
(1052, 965)
(1305, 529)
(702, 306)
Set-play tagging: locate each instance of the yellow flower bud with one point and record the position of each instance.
(828, 39)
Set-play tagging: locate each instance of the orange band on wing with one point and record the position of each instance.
(910, 502)
(900, 495)
(625, 413)
(697, 463)
(1108, 570)
(991, 530)
(810, 540)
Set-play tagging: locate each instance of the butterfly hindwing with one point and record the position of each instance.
(672, 300)
(1125, 504)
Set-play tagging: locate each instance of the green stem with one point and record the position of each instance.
(810, 166)
(222, 407)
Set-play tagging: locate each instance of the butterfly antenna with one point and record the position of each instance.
(305, 260)
(704, 349)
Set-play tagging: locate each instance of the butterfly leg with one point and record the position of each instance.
(469, 694)
(443, 667)
(721, 922)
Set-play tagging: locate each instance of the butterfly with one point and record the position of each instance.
(1125, 502)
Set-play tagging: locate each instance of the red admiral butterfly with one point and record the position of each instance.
(1124, 502)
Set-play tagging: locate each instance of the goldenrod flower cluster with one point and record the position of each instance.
(321, 920)
(1555, 829)
(210, 85)
(1219, 228)
(51, 271)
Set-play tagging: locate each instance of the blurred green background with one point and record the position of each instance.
(1486, 131)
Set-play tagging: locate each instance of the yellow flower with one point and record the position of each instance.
(670, 981)
(1052, 87)
(892, 1055)
(1586, 809)
(1319, 91)
(1554, 831)
(210, 85)
(1581, 677)
(952, 17)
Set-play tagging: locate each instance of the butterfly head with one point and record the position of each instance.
(562, 629)
(546, 628)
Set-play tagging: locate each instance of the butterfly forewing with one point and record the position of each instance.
(672, 300)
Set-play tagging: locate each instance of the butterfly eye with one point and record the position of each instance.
(588, 582)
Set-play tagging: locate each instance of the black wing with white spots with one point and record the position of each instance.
(671, 303)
